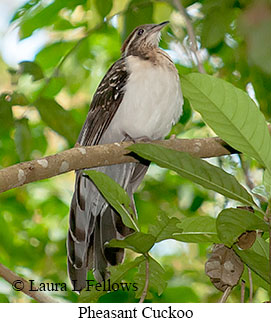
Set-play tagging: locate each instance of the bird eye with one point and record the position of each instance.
(140, 32)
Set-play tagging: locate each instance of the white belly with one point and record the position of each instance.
(151, 105)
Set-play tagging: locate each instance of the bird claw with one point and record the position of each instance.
(137, 140)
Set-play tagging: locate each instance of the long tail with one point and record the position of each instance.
(93, 223)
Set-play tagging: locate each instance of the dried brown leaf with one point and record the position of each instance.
(224, 267)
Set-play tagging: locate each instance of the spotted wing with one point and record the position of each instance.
(104, 105)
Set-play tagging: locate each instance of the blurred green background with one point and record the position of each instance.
(53, 55)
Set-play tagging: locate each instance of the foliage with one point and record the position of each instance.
(115, 195)
(188, 203)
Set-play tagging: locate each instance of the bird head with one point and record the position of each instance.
(142, 38)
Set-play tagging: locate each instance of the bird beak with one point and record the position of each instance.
(158, 27)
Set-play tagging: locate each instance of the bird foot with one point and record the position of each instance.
(137, 140)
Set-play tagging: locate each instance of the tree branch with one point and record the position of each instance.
(101, 155)
(225, 295)
(20, 284)
(250, 285)
(248, 179)
(191, 34)
(243, 290)
(145, 290)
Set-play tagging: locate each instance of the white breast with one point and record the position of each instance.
(151, 105)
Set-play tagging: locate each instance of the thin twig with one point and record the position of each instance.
(245, 168)
(250, 285)
(191, 34)
(225, 295)
(20, 284)
(243, 289)
(248, 179)
(145, 290)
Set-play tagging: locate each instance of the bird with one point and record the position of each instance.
(139, 98)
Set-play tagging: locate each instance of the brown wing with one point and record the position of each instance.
(104, 105)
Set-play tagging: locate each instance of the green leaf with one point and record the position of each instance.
(23, 139)
(267, 182)
(115, 195)
(194, 169)
(42, 15)
(18, 99)
(231, 113)
(64, 24)
(39, 139)
(104, 7)
(164, 228)
(257, 280)
(259, 54)
(221, 19)
(23, 9)
(138, 13)
(187, 112)
(37, 18)
(197, 229)
(138, 242)
(51, 55)
(261, 247)
(58, 119)
(117, 274)
(257, 37)
(260, 191)
(31, 68)
(231, 223)
(156, 280)
(179, 294)
(6, 117)
(54, 86)
(31, 89)
(161, 11)
(256, 262)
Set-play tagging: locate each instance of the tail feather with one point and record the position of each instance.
(93, 223)
(99, 263)
(109, 220)
(77, 274)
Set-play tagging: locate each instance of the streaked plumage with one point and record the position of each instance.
(140, 96)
